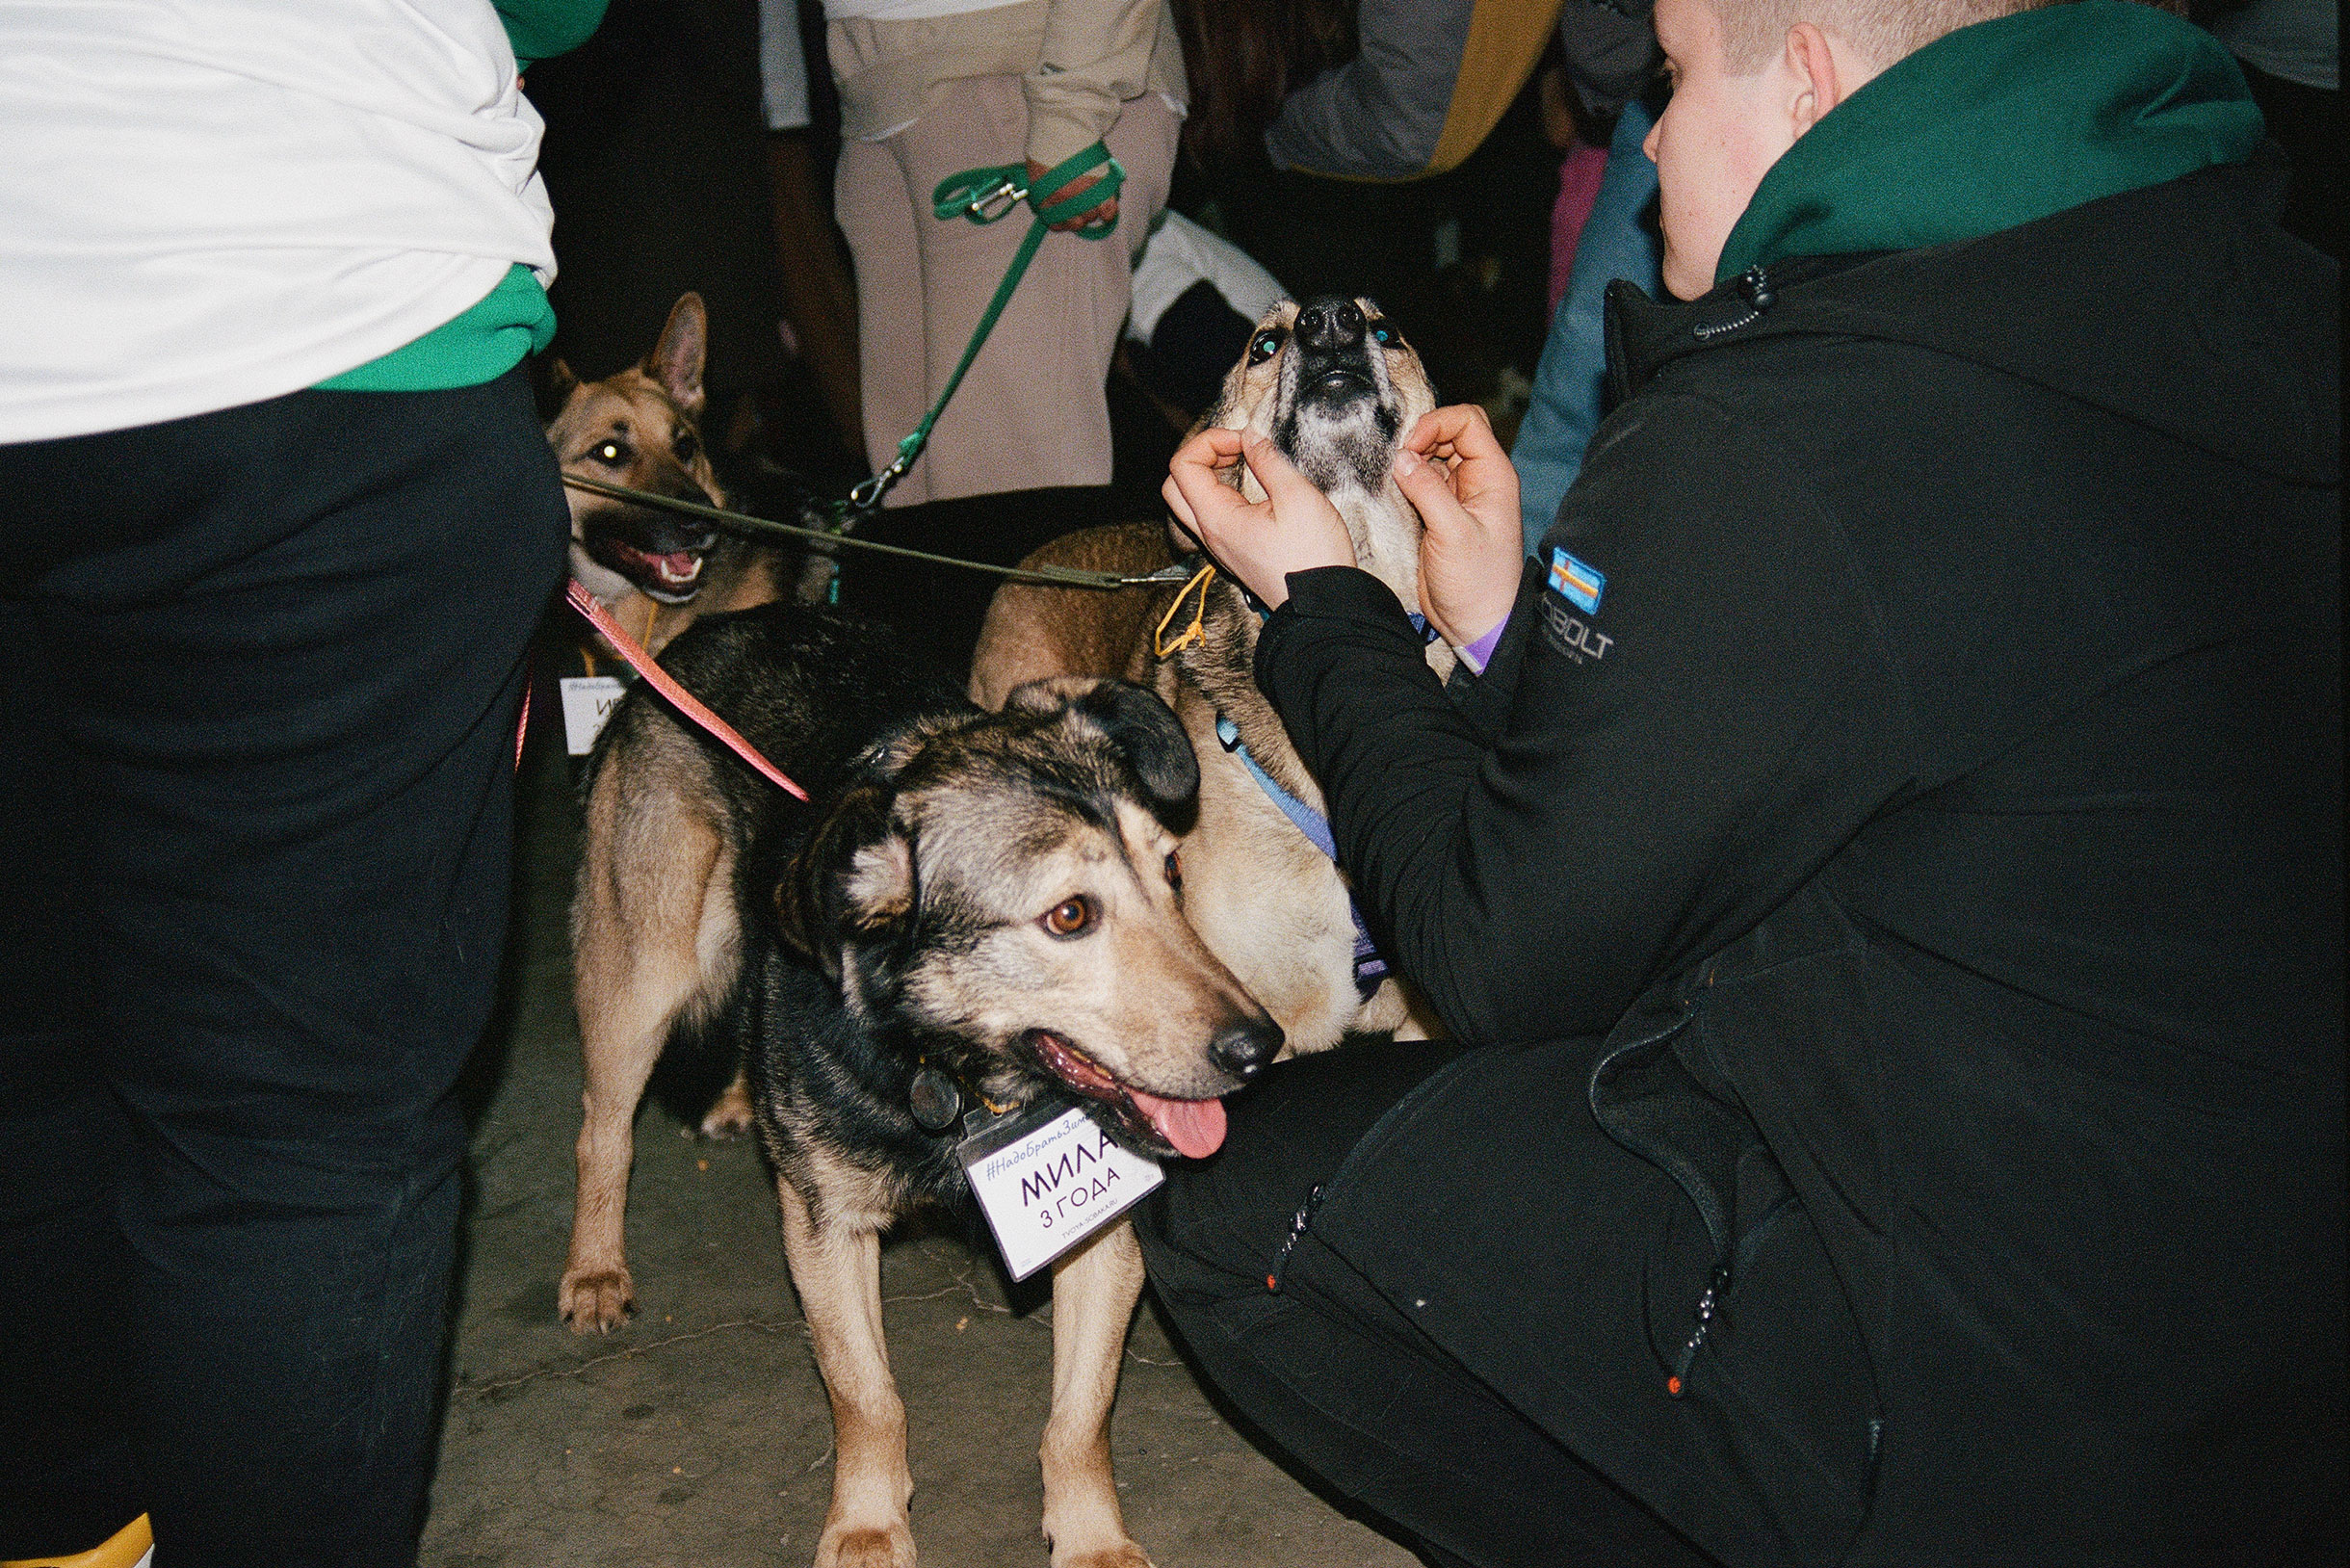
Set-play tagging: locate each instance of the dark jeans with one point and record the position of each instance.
(1334, 1373)
(258, 695)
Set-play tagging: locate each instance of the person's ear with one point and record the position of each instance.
(1821, 71)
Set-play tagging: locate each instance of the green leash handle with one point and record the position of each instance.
(988, 193)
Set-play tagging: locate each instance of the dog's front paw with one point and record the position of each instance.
(596, 1301)
(843, 1547)
(731, 1116)
(1121, 1554)
(1081, 1519)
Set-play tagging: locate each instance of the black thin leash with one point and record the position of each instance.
(741, 522)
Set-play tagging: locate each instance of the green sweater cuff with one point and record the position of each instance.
(542, 29)
(511, 321)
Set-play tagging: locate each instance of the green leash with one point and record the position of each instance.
(983, 195)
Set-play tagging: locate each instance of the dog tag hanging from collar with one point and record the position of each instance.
(1047, 1176)
(935, 1100)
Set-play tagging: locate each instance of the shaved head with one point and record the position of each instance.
(1883, 31)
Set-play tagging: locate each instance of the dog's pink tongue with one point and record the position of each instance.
(675, 568)
(1195, 1127)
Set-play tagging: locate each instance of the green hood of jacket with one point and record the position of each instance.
(1998, 124)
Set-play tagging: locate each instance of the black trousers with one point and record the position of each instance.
(1334, 1372)
(1437, 1282)
(258, 695)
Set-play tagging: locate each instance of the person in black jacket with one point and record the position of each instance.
(1884, 880)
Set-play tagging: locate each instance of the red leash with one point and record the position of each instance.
(683, 700)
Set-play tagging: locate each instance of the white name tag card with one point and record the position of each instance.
(1048, 1181)
(587, 701)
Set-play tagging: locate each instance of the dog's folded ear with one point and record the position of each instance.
(1148, 735)
(1140, 727)
(854, 878)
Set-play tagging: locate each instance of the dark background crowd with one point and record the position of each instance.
(664, 178)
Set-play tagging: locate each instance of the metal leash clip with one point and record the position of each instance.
(867, 494)
(1180, 571)
(990, 205)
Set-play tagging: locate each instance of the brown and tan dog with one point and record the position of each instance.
(655, 570)
(987, 899)
(1336, 387)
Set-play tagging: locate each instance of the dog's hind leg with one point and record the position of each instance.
(1094, 1292)
(836, 1266)
(652, 934)
(730, 1116)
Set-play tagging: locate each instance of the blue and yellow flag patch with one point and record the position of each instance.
(1578, 583)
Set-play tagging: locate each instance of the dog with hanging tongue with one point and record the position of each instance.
(972, 912)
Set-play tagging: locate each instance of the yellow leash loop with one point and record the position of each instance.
(1196, 632)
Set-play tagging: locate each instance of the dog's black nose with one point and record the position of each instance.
(1243, 1048)
(1331, 322)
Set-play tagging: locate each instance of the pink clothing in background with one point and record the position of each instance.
(1579, 186)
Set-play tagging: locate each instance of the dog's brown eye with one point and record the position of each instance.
(1071, 917)
(611, 452)
(1265, 345)
(683, 446)
(1175, 870)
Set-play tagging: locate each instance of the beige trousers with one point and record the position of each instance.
(1031, 411)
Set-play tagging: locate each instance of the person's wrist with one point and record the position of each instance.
(1472, 612)
(1477, 652)
(1286, 580)
(1055, 138)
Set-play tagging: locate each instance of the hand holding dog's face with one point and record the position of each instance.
(1294, 529)
(1296, 466)
(1453, 470)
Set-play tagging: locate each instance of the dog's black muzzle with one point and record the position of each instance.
(1335, 419)
(1246, 1048)
(1332, 342)
(660, 550)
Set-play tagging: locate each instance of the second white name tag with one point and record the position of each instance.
(587, 701)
